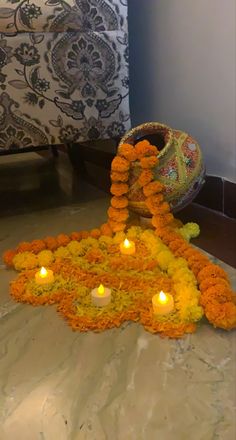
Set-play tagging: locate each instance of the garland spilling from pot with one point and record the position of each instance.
(135, 264)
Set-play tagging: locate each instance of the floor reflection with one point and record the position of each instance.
(32, 182)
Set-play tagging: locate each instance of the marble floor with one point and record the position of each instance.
(123, 384)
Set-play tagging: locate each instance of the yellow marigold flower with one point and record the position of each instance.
(86, 243)
(75, 248)
(148, 235)
(184, 275)
(25, 260)
(184, 233)
(104, 241)
(164, 258)
(45, 258)
(62, 252)
(186, 302)
(178, 263)
(193, 229)
(134, 232)
(155, 247)
(119, 237)
(153, 243)
(191, 313)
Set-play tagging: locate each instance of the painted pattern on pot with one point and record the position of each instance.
(180, 168)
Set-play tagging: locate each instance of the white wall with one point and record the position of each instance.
(183, 72)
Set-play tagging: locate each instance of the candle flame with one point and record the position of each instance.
(127, 243)
(162, 297)
(101, 289)
(43, 272)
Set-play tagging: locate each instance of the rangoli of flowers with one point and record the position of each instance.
(164, 260)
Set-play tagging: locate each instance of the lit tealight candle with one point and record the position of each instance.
(101, 296)
(162, 303)
(44, 276)
(127, 247)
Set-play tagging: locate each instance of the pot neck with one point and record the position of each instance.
(150, 129)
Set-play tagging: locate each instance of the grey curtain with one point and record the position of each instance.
(63, 71)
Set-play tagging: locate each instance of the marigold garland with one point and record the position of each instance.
(118, 189)
(81, 266)
(119, 177)
(119, 202)
(120, 165)
(87, 257)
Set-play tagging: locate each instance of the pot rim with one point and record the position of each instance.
(132, 136)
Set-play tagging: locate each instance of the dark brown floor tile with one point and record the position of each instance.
(218, 233)
(229, 199)
(211, 195)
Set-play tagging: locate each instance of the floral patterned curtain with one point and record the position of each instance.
(63, 71)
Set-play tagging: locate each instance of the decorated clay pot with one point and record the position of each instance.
(180, 168)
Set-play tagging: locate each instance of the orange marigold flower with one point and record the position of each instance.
(128, 152)
(106, 230)
(152, 188)
(8, 257)
(219, 293)
(120, 164)
(24, 246)
(161, 220)
(166, 234)
(162, 208)
(148, 162)
(51, 243)
(153, 203)
(140, 147)
(211, 270)
(119, 177)
(75, 236)
(118, 189)
(222, 315)
(168, 217)
(37, 246)
(144, 148)
(119, 215)
(94, 256)
(190, 252)
(156, 199)
(95, 233)
(197, 267)
(209, 282)
(63, 240)
(179, 252)
(176, 244)
(145, 177)
(197, 259)
(119, 202)
(116, 226)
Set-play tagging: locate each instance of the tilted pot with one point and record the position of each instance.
(180, 168)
